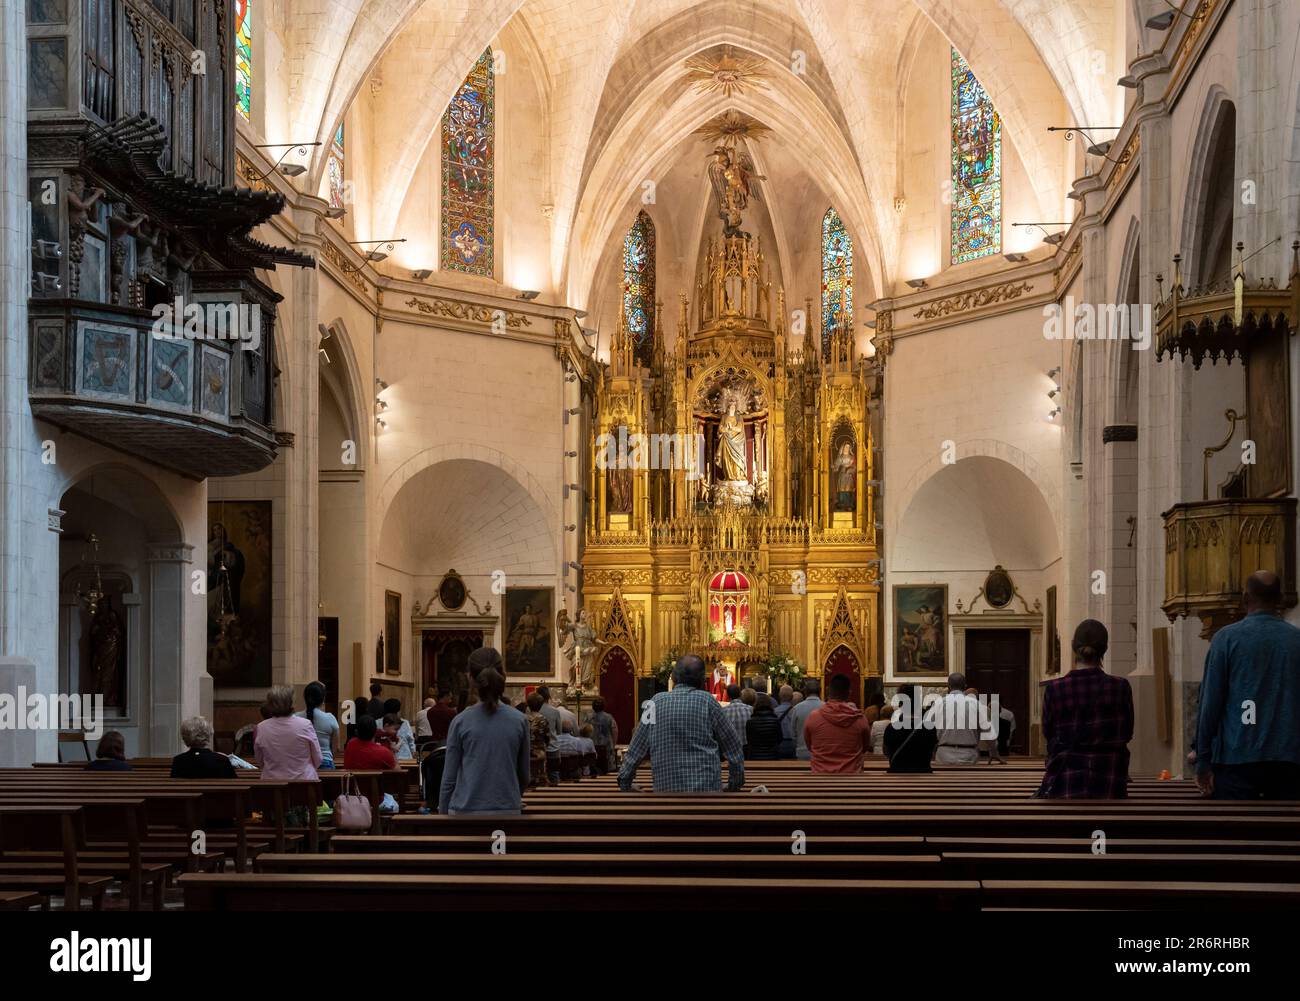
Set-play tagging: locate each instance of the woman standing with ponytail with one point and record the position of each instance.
(327, 727)
(487, 754)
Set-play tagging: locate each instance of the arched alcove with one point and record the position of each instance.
(123, 585)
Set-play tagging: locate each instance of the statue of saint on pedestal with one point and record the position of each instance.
(731, 447)
(582, 651)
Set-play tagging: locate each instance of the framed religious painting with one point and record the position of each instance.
(239, 593)
(529, 613)
(920, 629)
(392, 632)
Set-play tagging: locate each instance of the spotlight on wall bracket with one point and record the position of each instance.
(1051, 415)
(1054, 239)
(381, 384)
(1162, 21)
(1016, 258)
(379, 249)
(422, 274)
(528, 296)
(336, 212)
(570, 528)
(1129, 81)
(570, 411)
(917, 283)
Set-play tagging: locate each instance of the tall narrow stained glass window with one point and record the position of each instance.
(468, 151)
(244, 59)
(639, 286)
(976, 167)
(335, 170)
(837, 276)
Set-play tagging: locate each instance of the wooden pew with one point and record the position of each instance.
(600, 865)
(351, 892)
(47, 824)
(1146, 896)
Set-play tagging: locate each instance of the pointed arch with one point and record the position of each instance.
(1209, 201)
(468, 169)
(837, 276)
(639, 261)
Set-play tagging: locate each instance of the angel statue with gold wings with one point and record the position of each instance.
(731, 173)
(582, 650)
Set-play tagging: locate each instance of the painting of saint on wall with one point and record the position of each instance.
(239, 593)
(392, 632)
(529, 612)
(920, 629)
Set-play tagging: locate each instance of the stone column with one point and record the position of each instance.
(1159, 396)
(163, 690)
(301, 415)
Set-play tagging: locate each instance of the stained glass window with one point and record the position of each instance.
(335, 167)
(244, 59)
(837, 276)
(468, 151)
(976, 167)
(639, 286)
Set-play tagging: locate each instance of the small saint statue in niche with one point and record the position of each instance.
(107, 650)
(620, 489)
(845, 466)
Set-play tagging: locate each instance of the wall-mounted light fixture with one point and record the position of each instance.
(287, 169)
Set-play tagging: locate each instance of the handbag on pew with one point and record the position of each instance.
(352, 810)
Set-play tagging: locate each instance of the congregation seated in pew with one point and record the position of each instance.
(200, 761)
(110, 754)
(364, 752)
(286, 745)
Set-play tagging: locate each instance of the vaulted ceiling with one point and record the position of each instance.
(620, 101)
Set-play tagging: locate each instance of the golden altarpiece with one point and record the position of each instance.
(732, 506)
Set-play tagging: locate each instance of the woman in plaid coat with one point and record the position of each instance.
(1087, 723)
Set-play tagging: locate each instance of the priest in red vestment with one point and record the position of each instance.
(721, 679)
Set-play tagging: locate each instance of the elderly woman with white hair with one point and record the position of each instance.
(200, 761)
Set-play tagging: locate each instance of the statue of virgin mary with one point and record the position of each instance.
(731, 447)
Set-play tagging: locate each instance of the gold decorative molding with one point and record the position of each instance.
(974, 299)
(455, 310)
(346, 269)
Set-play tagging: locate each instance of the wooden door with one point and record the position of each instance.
(997, 662)
(842, 661)
(327, 660)
(618, 689)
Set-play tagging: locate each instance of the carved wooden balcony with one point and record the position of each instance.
(1212, 546)
(201, 407)
(1206, 321)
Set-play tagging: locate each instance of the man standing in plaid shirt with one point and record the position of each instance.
(681, 732)
(1087, 723)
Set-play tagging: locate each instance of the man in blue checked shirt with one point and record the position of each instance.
(681, 732)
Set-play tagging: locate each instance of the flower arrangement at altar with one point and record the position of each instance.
(663, 669)
(782, 669)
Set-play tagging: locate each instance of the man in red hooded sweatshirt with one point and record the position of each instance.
(837, 734)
